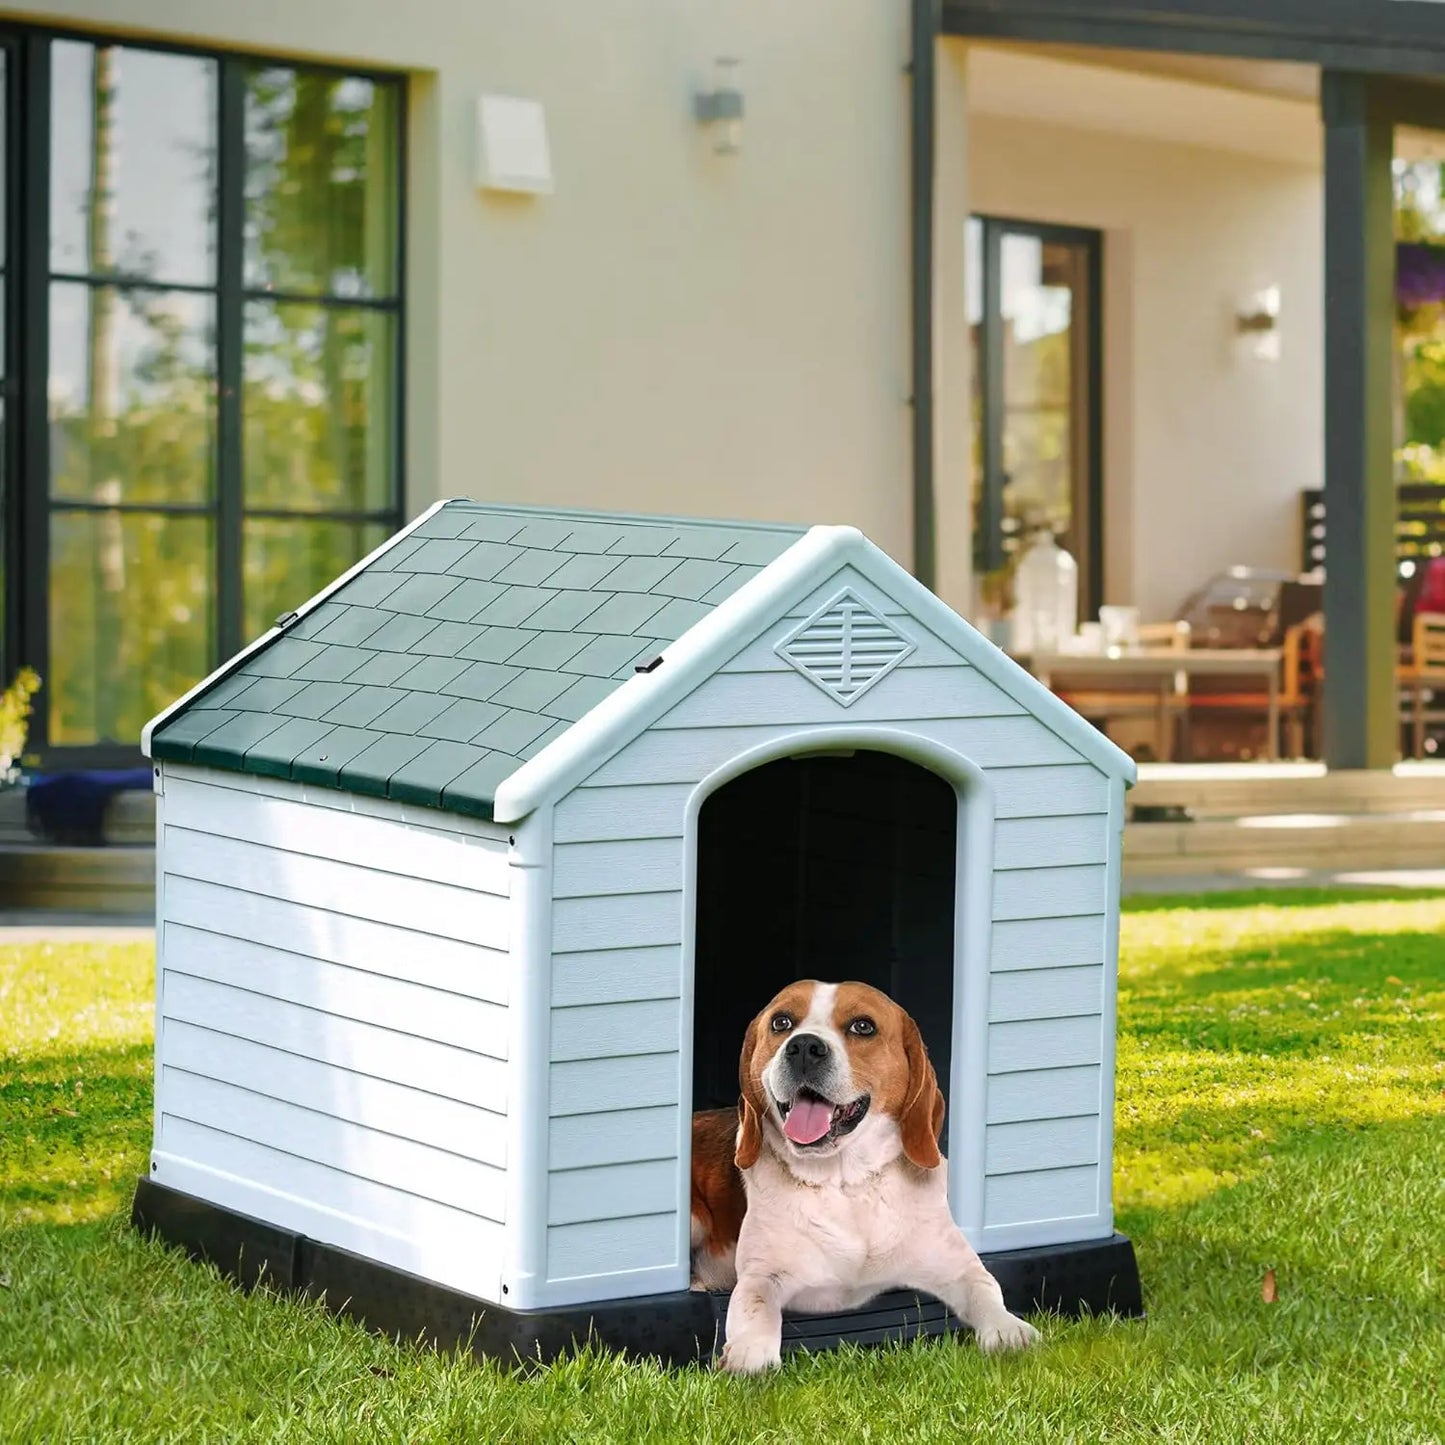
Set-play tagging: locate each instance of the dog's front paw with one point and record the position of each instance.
(1006, 1332)
(750, 1356)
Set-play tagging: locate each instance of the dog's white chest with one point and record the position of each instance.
(847, 1240)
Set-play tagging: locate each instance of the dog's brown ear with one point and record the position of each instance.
(922, 1119)
(751, 1105)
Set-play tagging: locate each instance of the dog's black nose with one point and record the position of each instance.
(804, 1049)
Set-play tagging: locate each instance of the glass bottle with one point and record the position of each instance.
(1046, 586)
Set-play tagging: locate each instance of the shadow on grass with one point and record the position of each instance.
(77, 1129)
(1292, 996)
(1348, 1218)
(1312, 897)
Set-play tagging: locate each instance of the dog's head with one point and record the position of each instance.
(824, 1060)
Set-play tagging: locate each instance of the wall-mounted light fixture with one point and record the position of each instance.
(512, 149)
(721, 108)
(1256, 324)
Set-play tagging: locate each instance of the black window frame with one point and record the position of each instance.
(25, 494)
(988, 533)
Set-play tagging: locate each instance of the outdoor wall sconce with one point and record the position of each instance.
(1256, 324)
(721, 108)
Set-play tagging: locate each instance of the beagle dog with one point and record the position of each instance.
(826, 1187)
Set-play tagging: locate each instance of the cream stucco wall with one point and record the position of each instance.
(671, 330)
(1206, 451)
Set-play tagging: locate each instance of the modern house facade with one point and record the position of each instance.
(1124, 266)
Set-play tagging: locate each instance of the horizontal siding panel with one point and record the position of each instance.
(383, 1053)
(597, 870)
(787, 697)
(334, 800)
(1048, 792)
(1051, 842)
(1053, 942)
(1047, 1143)
(1045, 993)
(617, 975)
(594, 815)
(391, 1003)
(615, 1191)
(1044, 1094)
(599, 1086)
(419, 1169)
(344, 888)
(381, 843)
(611, 1246)
(688, 754)
(628, 920)
(629, 1136)
(408, 1216)
(615, 1030)
(1059, 1043)
(393, 1108)
(1040, 1195)
(1050, 892)
(382, 948)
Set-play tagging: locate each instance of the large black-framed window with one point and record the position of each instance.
(202, 287)
(1035, 314)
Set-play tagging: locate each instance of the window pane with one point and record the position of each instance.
(318, 401)
(132, 394)
(288, 561)
(321, 183)
(130, 620)
(133, 163)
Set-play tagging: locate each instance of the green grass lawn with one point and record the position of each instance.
(1281, 1106)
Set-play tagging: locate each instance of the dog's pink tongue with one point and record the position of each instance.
(808, 1120)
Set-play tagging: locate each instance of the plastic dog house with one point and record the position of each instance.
(472, 871)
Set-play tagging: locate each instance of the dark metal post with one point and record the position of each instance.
(1361, 728)
(230, 354)
(924, 74)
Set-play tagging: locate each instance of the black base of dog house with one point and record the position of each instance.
(1097, 1277)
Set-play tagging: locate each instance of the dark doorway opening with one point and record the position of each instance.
(831, 867)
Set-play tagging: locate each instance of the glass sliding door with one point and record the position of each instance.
(1034, 315)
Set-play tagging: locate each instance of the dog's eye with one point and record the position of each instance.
(782, 1023)
(864, 1028)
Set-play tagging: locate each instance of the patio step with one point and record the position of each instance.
(115, 880)
(1282, 844)
(1225, 791)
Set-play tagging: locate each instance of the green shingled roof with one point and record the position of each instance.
(463, 649)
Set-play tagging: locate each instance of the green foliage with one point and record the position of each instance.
(15, 710)
(1281, 1105)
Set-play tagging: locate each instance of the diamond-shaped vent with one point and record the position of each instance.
(845, 647)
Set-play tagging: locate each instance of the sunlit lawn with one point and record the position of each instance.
(1281, 1106)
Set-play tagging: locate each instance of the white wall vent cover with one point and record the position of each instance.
(845, 647)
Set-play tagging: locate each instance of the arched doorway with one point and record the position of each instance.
(831, 866)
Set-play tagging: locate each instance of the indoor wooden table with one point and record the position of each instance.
(1166, 671)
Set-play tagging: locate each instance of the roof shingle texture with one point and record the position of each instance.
(464, 649)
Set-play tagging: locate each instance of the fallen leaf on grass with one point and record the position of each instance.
(1268, 1291)
(1394, 980)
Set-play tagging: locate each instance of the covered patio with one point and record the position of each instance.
(1186, 350)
